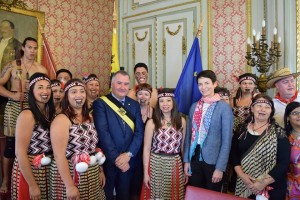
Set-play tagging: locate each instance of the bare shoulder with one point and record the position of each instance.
(61, 119)
(150, 124)
(183, 121)
(8, 68)
(41, 68)
(26, 114)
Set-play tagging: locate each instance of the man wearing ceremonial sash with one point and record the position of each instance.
(120, 129)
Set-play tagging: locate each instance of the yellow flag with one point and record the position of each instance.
(114, 55)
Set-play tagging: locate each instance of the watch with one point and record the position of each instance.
(130, 154)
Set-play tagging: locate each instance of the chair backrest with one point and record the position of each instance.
(194, 193)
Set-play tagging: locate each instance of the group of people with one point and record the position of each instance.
(67, 142)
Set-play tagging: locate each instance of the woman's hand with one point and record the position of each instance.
(186, 169)
(35, 192)
(257, 187)
(217, 176)
(102, 179)
(72, 193)
(247, 180)
(147, 180)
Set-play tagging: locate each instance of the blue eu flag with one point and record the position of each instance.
(187, 92)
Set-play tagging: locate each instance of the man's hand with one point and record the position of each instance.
(26, 85)
(17, 96)
(122, 160)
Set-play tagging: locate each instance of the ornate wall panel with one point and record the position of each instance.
(79, 34)
(140, 6)
(175, 33)
(229, 34)
(161, 39)
(141, 47)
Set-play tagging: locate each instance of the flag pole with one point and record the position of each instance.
(200, 28)
(46, 46)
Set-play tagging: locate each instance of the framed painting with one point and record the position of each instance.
(27, 23)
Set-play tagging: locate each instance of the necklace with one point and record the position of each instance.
(168, 123)
(145, 112)
(297, 134)
(255, 129)
(27, 70)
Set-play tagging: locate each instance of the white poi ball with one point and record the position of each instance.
(81, 167)
(93, 160)
(102, 160)
(99, 155)
(261, 197)
(45, 161)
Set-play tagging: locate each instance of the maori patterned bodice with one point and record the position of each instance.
(167, 141)
(40, 141)
(83, 138)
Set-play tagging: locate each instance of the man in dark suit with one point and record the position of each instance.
(120, 129)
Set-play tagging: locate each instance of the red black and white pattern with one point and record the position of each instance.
(83, 138)
(167, 141)
(40, 141)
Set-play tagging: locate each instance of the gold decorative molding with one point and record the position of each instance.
(133, 51)
(183, 45)
(142, 38)
(175, 32)
(8, 4)
(164, 47)
(160, 9)
(149, 49)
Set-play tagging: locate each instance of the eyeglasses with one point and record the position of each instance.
(295, 113)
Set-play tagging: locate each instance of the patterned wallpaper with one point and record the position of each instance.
(79, 34)
(229, 35)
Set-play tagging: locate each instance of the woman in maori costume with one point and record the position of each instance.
(163, 145)
(58, 94)
(260, 153)
(143, 96)
(92, 85)
(292, 127)
(75, 173)
(33, 147)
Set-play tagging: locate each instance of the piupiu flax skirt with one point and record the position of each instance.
(166, 178)
(19, 186)
(89, 184)
(11, 113)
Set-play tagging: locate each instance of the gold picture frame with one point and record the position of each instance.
(28, 23)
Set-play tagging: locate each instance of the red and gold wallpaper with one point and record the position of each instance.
(79, 34)
(229, 35)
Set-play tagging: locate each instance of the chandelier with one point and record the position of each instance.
(261, 56)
